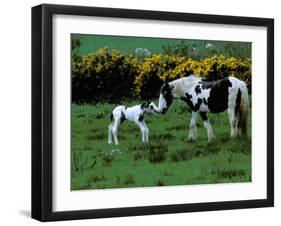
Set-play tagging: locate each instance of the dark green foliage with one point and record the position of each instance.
(129, 179)
(96, 136)
(97, 178)
(80, 162)
(157, 153)
(160, 183)
(107, 159)
(75, 45)
(138, 155)
(104, 76)
(181, 155)
(199, 50)
(154, 152)
(228, 173)
(179, 49)
(162, 137)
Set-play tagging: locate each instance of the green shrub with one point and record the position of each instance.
(103, 76)
(107, 159)
(154, 71)
(157, 153)
(129, 179)
(181, 155)
(109, 76)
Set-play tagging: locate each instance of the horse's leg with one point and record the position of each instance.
(207, 125)
(193, 128)
(146, 131)
(233, 123)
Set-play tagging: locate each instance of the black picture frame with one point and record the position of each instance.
(42, 85)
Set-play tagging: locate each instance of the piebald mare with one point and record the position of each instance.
(203, 96)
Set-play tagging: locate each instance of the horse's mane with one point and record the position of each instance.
(182, 85)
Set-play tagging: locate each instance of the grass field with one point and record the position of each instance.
(91, 43)
(168, 159)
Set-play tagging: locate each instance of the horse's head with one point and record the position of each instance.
(165, 98)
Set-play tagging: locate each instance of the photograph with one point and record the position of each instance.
(149, 112)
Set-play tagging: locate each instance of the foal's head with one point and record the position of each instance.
(165, 98)
(150, 107)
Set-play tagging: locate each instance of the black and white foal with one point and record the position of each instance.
(203, 96)
(134, 114)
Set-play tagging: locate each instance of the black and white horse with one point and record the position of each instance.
(203, 96)
(135, 114)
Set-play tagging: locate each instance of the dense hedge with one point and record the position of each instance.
(111, 76)
(154, 71)
(103, 76)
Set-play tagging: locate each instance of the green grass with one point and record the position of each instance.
(168, 159)
(91, 43)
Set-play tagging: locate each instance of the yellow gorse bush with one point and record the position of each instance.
(111, 71)
(161, 68)
(103, 76)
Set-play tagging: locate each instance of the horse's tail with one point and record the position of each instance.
(243, 109)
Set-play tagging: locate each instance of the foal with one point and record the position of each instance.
(134, 114)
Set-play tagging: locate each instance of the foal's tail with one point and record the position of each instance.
(243, 109)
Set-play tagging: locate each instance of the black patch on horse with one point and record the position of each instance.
(218, 99)
(197, 105)
(166, 91)
(194, 107)
(204, 116)
(141, 117)
(123, 118)
(197, 89)
(238, 102)
(205, 101)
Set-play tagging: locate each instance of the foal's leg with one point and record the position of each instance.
(208, 126)
(114, 130)
(110, 134)
(142, 129)
(193, 128)
(146, 131)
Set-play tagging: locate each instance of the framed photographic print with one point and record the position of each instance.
(146, 112)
